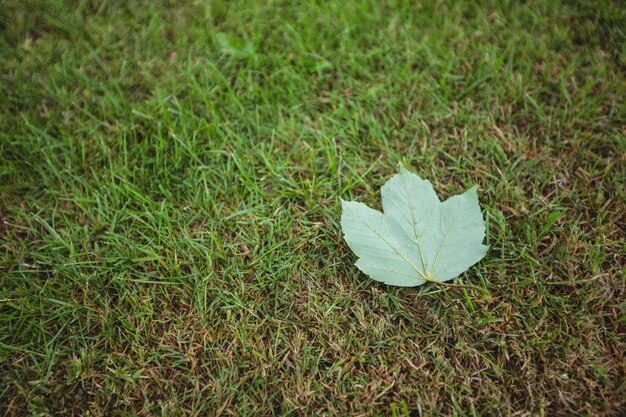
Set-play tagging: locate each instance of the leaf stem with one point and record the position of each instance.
(451, 285)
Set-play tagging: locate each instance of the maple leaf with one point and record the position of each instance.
(418, 238)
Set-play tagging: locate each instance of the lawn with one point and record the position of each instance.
(170, 184)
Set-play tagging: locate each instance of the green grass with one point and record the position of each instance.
(169, 205)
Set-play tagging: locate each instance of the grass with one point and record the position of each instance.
(169, 202)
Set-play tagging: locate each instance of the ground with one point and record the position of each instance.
(170, 189)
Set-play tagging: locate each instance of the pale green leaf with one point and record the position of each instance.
(418, 238)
